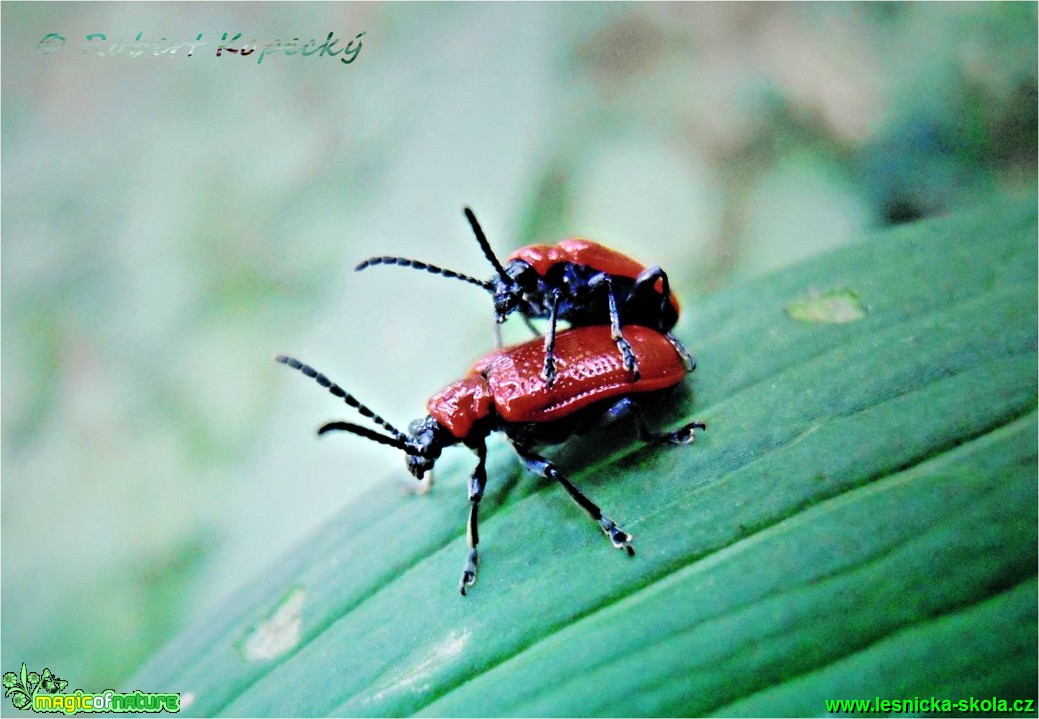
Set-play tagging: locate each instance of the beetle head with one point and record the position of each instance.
(509, 289)
(424, 446)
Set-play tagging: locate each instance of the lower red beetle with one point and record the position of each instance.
(504, 391)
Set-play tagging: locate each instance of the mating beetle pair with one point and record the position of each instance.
(578, 281)
(540, 392)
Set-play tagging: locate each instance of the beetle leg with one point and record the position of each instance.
(631, 363)
(646, 281)
(497, 331)
(497, 334)
(682, 435)
(688, 361)
(538, 464)
(549, 372)
(648, 278)
(531, 327)
(477, 483)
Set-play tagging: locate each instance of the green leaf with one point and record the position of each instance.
(859, 521)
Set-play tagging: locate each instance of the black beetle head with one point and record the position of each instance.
(510, 289)
(426, 443)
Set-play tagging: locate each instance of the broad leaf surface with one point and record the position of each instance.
(859, 520)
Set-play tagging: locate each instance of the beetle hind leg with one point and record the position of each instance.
(646, 283)
(688, 361)
(543, 467)
(683, 435)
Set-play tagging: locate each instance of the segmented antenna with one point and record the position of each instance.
(338, 391)
(484, 244)
(369, 434)
(419, 265)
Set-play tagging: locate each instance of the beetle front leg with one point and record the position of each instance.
(477, 483)
(497, 334)
(543, 467)
(549, 372)
(631, 363)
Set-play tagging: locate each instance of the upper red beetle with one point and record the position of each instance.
(504, 391)
(579, 281)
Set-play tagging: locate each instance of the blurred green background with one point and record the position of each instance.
(170, 223)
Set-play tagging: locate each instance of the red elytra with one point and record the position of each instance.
(580, 251)
(509, 381)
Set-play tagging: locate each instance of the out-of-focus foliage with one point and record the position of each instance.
(169, 224)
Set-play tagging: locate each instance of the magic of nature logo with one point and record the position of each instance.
(44, 692)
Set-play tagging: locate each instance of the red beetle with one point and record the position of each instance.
(579, 281)
(504, 391)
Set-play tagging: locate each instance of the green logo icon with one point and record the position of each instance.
(21, 688)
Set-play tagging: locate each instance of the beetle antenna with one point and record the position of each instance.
(338, 391)
(368, 434)
(484, 244)
(418, 265)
